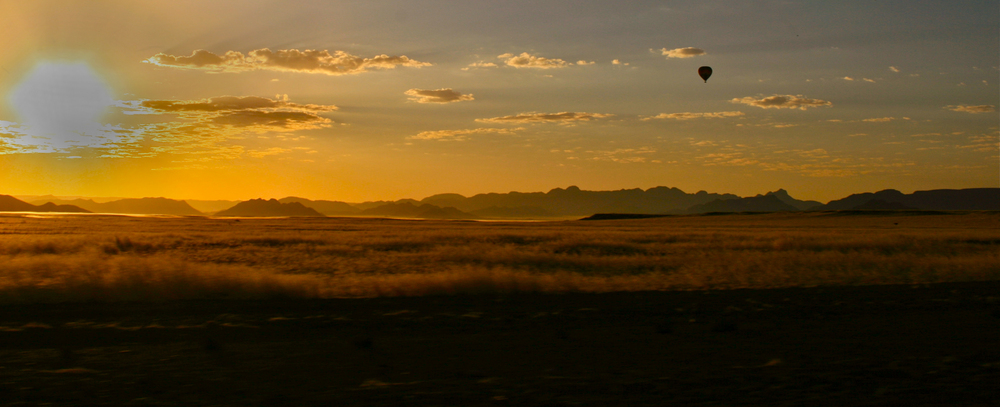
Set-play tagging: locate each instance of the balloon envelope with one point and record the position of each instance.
(705, 72)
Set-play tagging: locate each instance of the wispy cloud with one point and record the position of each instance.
(689, 115)
(460, 135)
(257, 112)
(526, 60)
(480, 64)
(211, 129)
(290, 60)
(561, 117)
(688, 52)
(624, 155)
(446, 95)
(894, 69)
(986, 143)
(782, 102)
(884, 119)
(971, 109)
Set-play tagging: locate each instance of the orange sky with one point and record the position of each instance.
(378, 100)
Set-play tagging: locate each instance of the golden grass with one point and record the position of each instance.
(114, 258)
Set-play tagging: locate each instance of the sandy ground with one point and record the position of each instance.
(882, 345)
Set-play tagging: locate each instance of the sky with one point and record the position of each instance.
(389, 99)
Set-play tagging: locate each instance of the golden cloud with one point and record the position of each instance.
(446, 95)
(972, 109)
(290, 60)
(782, 102)
(881, 119)
(231, 103)
(561, 117)
(689, 52)
(247, 112)
(459, 135)
(480, 64)
(526, 60)
(689, 116)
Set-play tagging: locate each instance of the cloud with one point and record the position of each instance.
(480, 64)
(688, 115)
(782, 102)
(211, 129)
(290, 60)
(582, 62)
(526, 60)
(618, 62)
(971, 109)
(689, 52)
(561, 117)
(265, 153)
(459, 135)
(986, 143)
(446, 95)
(733, 159)
(624, 155)
(847, 78)
(894, 69)
(227, 103)
(868, 80)
(263, 114)
(884, 119)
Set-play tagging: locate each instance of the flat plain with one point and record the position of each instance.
(824, 308)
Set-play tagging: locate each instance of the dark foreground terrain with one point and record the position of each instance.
(875, 345)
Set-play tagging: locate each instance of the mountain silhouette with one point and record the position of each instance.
(328, 208)
(210, 206)
(409, 210)
(11, 204)
(267, 208)
(759, 203)
(146, 206)
(973, 199)
(783, 196)
(515, 212)
(573, 201)
(880, 205)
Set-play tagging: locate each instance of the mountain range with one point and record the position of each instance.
(159, 206)
(270, 207)
(11, 204)
(556, 203)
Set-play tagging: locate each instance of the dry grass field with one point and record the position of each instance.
(70, 258)
(820, 309)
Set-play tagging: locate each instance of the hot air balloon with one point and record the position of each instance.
(705, 72)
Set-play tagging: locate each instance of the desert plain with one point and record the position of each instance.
(814, 308)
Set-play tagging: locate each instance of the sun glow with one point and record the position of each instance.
(60, 105)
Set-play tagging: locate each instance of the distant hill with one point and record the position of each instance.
(376, 204)
(880, 205)
(939, 199)
(409, 210)
(209, 206)
(146, 206)
(270, 207)
(759, 203)
(515, 212)
(328, 208)
(573, 201)
(783, 196)
(11, 204)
